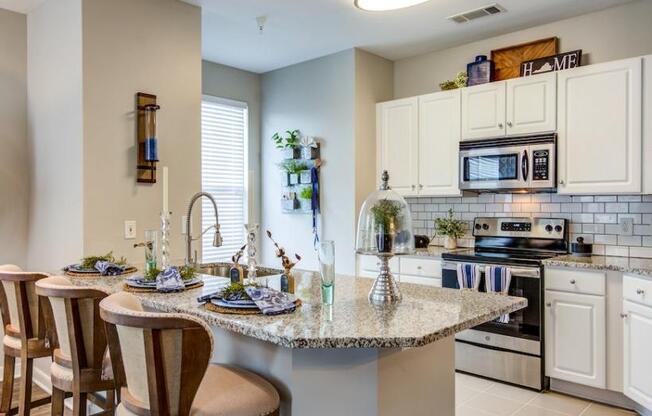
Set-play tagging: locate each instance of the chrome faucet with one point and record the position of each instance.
(217, 239)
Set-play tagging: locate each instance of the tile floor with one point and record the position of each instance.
(479, 397)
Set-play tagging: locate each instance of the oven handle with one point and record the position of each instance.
(531, 272)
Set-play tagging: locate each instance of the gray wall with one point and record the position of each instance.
(235, 84)
(619, 32)
(14, 170)
(316, 97)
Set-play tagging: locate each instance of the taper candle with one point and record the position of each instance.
(166, 207)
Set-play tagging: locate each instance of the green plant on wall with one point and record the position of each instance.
(449, 226)
(293, 166)
(290, 141)
(385, 214)
(306, 193)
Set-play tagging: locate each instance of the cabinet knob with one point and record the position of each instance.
(549, 304)
(561, 181)
(413, 187)
(487, 338)
(420, 186)
(500, 125)
(624, 315)
(509, 124)
(572, 282)
(640, 291)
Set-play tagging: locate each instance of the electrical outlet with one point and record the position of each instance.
(626, 226)
(130, 229)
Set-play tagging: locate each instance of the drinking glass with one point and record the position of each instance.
(151, 249)
(326, 255)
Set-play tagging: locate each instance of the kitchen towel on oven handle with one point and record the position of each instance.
(497, 280)
(468, 276)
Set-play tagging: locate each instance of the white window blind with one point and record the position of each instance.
(224, 174)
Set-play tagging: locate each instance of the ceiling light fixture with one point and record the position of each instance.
(383, 5)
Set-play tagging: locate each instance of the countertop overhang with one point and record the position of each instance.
(425, 315)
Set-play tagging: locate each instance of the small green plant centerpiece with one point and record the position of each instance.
(386, 215)
(451, 228)
(90, 261)
(288, 143)
(305, 197)
(186, 272)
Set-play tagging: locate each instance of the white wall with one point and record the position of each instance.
(54, 102)
(14, 168)
(316, 97)
(235, 84)
(610, 34)
(152, 46)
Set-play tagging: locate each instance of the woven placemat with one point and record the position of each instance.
(128, 270)
(128, 288)
(235, 311)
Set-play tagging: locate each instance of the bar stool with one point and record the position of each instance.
(163, 360)
(26, 336)
(81, 364)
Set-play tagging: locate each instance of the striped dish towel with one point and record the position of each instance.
(497, 280)
(468, 276)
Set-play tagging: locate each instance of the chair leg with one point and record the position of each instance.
(25, 401)
(57, 401)
(7, 384)
(110, 401)
(79, 404)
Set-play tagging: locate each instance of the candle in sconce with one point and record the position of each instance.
(166, 208)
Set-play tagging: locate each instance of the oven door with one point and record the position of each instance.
(525, 283)
(494, 168)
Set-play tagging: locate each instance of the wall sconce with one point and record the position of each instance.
(146, 109)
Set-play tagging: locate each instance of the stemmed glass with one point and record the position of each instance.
(326, 255)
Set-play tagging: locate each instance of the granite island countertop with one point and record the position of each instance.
(632, 265)
(425, 315)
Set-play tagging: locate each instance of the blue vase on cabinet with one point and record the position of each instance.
(480, 71)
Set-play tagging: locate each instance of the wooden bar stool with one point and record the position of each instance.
(81, 364)
(162, 359)
(23, 319)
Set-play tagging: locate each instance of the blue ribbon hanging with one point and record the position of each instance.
(314, 174)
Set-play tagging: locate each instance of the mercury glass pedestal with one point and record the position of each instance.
(385, 289)
(165, 240)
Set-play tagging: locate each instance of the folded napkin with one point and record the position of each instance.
(497, 280)
(169, 280)
(107, 268)
(271, 301)
(468, 276)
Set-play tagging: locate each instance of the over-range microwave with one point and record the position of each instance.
(509, 164)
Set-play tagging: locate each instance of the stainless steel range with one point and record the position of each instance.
(509, 351)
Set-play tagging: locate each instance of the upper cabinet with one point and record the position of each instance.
(397, 130)
(518, 106)
(418, 143)
(599, 133)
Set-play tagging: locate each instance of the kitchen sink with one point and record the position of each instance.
(222, 270)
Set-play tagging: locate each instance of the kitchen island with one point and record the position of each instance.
(350, 358)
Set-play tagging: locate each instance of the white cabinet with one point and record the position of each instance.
(418, 143)
(518, 106)
(532, 104)
(483, 111)
(439, 138)
(575, 327)
(421, 271)
(599, 131)
(637, 382)
(647, 124)
(397, 129)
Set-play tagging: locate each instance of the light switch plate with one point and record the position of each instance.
(130, 230)
(626, 226)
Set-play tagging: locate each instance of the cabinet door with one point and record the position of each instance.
(420, 280)
(637, 380)
(439, 140)
(532, 104)
(397, 125)
(599, 147)
(483, 111)
(575, 338)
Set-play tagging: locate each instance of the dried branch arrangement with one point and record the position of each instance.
(237, 256)
(280, 253)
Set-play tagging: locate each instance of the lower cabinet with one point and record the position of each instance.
(637, 343)
(421, 271)
(575, 338)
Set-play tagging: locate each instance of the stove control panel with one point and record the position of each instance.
(548, 228)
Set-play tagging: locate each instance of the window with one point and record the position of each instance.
(224, 174)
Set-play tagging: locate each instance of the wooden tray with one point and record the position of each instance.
(128, 270)
(128, 288)
(507, 61)
(235, 311)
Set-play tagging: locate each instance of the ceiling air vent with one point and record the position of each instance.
(467, 16)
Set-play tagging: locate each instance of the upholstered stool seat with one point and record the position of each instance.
(164, 366)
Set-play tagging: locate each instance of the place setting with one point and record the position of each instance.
(96, 266)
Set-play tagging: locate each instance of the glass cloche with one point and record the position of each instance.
(385, 230)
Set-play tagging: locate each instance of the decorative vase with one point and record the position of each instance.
(480, 71)
(450, 243)
(306, 204)
(305, 177)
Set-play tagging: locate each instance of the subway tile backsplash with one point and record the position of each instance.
(596, 218)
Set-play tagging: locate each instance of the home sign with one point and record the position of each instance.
(558, 62)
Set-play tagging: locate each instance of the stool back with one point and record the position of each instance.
(163, 355)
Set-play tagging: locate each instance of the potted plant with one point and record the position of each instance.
(289, 202)
(451, 228)
(288, 144)
(305, 198)
(305, 176)
(292, 168)
(385, 215)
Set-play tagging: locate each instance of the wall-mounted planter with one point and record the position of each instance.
(309, 152)
(292, 153)
(289, 204)
(294, 178)
(305, 177)
(285, 179)
(306, 204)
